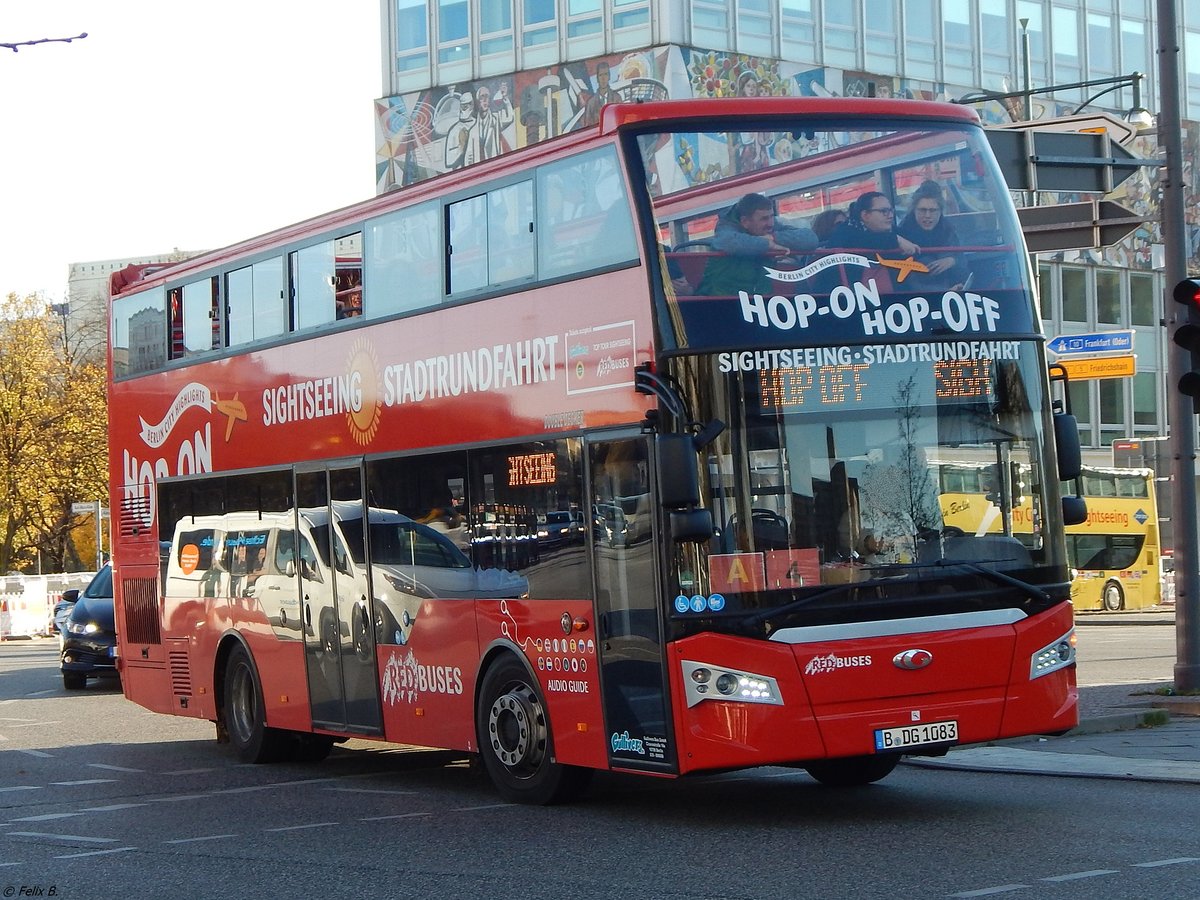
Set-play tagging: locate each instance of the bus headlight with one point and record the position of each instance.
(704, 681)
(1054, 656)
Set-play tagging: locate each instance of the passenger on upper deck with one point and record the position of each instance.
(870, 227)
(925, 225)
(824, 223)
(748, 234)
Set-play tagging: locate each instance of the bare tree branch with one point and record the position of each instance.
(14, 46)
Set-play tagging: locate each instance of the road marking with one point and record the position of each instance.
(41, 754)
(95, 853)
(62, 837)
(350, 790)
(987, 892)
(189, 772)
(11, 719)
(178, 798)
(1075, 876)
(112, 808)
(207, 837)
(397, 816)
(303, 827)
(35, 724)
(116, 768)
(489, 806)
(244, 790)
(1167, 862)
(48, 817)
(22, 787)
(9, 865)
(84, 781)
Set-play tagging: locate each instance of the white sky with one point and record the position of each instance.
(177, 125)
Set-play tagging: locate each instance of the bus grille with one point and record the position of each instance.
(135, 511)
(141, 611)
(181, 673)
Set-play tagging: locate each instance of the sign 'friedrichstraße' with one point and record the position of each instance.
(1100, 367)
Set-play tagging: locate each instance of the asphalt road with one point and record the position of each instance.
(99, 798)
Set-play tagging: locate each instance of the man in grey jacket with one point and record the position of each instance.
(750, 237)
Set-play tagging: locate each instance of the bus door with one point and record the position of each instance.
(629, 620)
(339, 644)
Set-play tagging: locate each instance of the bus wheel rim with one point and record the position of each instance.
(516, 728)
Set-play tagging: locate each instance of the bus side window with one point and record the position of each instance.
(583, 215)
(313, 277)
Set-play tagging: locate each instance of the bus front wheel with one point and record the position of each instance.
(515, 741)
(1114, 597)
(853, 771)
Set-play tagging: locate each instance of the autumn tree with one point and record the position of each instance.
(53, 444)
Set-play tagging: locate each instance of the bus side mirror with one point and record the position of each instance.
(1074, 510)
(693, 526)
(1066, 439)
(678, 471)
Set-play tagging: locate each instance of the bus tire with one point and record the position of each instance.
(853, 771)
(245, 713)
(1113, 597)
(515, 741)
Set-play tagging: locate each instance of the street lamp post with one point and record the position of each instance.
(1137, 115)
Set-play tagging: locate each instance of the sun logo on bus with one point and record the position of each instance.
(365, 407)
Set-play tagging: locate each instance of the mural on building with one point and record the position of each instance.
(440, 129)
(428, 132)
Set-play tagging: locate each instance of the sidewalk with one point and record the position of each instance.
(1125, 731)
(1128, 731)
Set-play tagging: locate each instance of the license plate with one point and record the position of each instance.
(113, 652)
(921, 735)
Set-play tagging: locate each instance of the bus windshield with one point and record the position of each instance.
(852, 299)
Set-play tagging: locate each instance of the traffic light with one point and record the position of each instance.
(1187, 336)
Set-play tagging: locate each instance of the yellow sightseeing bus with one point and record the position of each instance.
(1115, 554)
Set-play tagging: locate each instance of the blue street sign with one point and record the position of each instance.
(1102, 342)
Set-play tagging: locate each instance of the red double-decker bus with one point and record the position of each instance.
(497, 463)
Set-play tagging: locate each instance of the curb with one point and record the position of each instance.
(1126, 721)
(1150, 618)
(1178, 706)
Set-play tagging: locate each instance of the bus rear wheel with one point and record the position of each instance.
(245, 713)
(515, 741)
(853, 771)
(1114, 597)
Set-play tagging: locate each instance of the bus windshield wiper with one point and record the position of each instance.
(759, 618)
(1030, 590)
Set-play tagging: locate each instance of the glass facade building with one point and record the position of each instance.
(468, 79)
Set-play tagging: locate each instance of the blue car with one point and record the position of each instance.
(89, 635)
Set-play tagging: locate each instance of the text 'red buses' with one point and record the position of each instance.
(567, 461)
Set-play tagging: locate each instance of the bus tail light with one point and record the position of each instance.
(1054, 656)
(707, 682)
